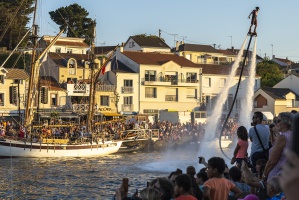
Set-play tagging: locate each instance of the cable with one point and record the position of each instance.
(235, 97)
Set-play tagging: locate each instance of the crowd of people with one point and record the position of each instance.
(269, 172)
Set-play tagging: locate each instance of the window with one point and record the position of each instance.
(222, 82)
(150, 92)
(2, 79)
(131, 44)
(128, 100)
(53, 99)
(150, 75)
(191, 77)
(128, 83)
(58, 50)
(104, 100)
(207, 82)
(72, 66)
(191, 93)
(69, 51)
(17, 81)
(13, 95)
(1, 99)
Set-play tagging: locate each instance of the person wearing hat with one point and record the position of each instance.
(253, 20)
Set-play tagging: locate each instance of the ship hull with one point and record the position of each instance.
(14, 148)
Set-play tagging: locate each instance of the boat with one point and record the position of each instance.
(138, 140)
(35, 143)
(46, 148)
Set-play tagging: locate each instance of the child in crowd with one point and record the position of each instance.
(240, 152)
(201, 178)
(236, 177)
(182, 186)
(217, 187)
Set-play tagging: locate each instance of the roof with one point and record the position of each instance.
(287, 61)
(220, 69)
(16, 74)
(153, 58)
(228, 52)
(67, 43)
(61, 58)
(50, 82)
(103, 49)
(121, 67)
(149, 41)
(277, 93)
(198, 48)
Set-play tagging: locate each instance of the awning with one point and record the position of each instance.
(268, 115)
(112, 114)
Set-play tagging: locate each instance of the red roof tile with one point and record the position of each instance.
(151, 58)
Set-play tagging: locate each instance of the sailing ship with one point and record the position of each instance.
(39, 144)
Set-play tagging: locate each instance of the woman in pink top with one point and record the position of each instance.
(240, 152)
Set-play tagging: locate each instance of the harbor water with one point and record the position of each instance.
(91, 178)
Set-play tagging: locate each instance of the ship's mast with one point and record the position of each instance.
(34, 38)
(92, 85)
(34, 71)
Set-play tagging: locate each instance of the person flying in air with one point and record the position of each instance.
(253, 20)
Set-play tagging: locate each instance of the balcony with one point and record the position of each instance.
(78, 89)
(82, 108)
(106, 88)
(127, 89)
(127, 107)
(170, 82)
(191, 97)
(171, 98)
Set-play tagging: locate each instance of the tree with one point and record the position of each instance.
(269, 72)
(74, 20)
(14, 16)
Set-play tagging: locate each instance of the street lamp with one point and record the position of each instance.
(272, 50)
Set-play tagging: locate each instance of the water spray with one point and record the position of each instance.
(235, 96)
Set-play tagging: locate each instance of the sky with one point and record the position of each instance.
(224, 23)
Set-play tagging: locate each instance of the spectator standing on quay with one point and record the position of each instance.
(217, 187)
(182, 187)
(276, 157)
(289, 179)
(195, 191)
(201, 178)
(256, 134)
(240, 152)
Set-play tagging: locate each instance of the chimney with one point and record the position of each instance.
(273, 56)
(177, 46)
(233, 48)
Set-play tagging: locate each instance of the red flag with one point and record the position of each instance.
(103, 70)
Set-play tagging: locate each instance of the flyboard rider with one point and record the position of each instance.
(254, 14)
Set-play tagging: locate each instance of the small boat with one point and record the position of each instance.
(55, 148)
(135, 140)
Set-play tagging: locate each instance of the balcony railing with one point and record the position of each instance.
(127, 89)
(191, 97)
(127, 107)
(172, 81)
(105, 88)
(150, 96)
(82, 108)
(171, 98)
(79, 88)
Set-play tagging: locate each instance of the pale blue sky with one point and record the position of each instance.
(220, 22)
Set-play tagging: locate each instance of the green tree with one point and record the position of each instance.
(269, 72)
(14, 16)
(74, 20)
